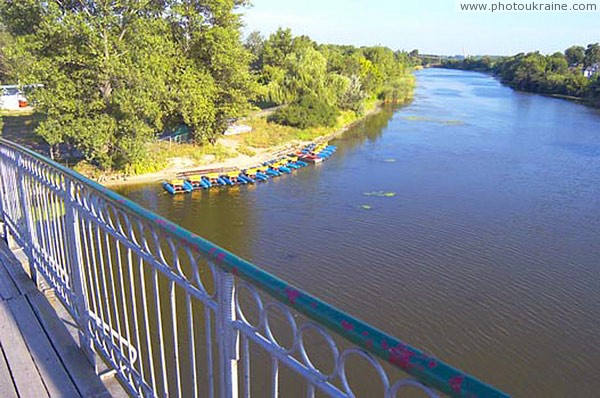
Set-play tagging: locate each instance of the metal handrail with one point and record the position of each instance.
(232, 271)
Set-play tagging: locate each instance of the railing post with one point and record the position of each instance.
(75, 257)
(26, 210)
(2, 198)
(7, 197)
(227, 335)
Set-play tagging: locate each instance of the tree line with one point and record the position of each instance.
(560, 73)
(116, 74)
(318, 80)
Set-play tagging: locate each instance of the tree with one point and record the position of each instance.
(593, 92)
(592, 55)
(254, 44)
(575, 55)
(310, 111)
(294, 68)
(276, 47)
(210, 32)
(114, 74)
(5, 65)
(557, 63)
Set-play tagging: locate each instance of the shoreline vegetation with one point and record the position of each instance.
(233, 156)
(573, 75)
(266, 141)
(250, 149)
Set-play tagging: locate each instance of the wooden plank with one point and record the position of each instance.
(77, 365)
(80, 372)
(7, 387)
(55, 377)
(15, 269)
(8, 289)
(27, 380)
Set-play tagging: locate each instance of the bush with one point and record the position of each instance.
(310, 111)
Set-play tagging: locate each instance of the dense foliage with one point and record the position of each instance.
(558, 73)
(115, 73)
(296, 70)
(310, 111)
(293, 67)
(110, 76)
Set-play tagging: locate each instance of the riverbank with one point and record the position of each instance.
(265, 142)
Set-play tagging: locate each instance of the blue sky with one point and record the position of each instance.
(432, 26)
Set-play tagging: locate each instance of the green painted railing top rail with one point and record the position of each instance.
(164, 306)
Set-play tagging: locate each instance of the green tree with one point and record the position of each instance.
(575, 55)
(277, 47)
(593, 92)
(557, 63)
(115, 73)
(254, 44)
(5, 65)
(210, 32)
(592, 55)
(310, 111)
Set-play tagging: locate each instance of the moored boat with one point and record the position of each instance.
(198, 182)
(177, 186)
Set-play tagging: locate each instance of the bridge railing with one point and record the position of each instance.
(176, 315)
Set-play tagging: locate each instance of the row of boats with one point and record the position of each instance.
(313, 153)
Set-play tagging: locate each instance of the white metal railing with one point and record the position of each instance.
(176, 315)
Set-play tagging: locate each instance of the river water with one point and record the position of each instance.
(487, 254)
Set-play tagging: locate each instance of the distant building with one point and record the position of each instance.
(591, 70)
(12, 98)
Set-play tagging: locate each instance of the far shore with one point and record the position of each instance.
(182, 166)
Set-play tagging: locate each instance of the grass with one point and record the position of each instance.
(160, 153)
(10, 112)
(248, 151)
(267, 135)
(19, 127)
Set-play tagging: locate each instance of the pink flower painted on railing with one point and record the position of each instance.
(456, 383)
(401, 356)
(292, 294)
(347, 325)
(165, 224)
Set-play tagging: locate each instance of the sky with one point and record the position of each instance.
(431, 26)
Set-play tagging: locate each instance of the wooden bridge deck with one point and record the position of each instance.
(38, 355)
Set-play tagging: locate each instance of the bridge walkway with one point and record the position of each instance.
(38, 355)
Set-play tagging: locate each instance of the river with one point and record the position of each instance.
(485, 251)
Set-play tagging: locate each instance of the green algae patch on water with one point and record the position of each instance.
(381, 194)
(453, 122)
(434, 120)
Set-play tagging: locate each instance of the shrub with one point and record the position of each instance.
(310, 111)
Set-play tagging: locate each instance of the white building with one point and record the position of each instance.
(12, 98)
(591, 70)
